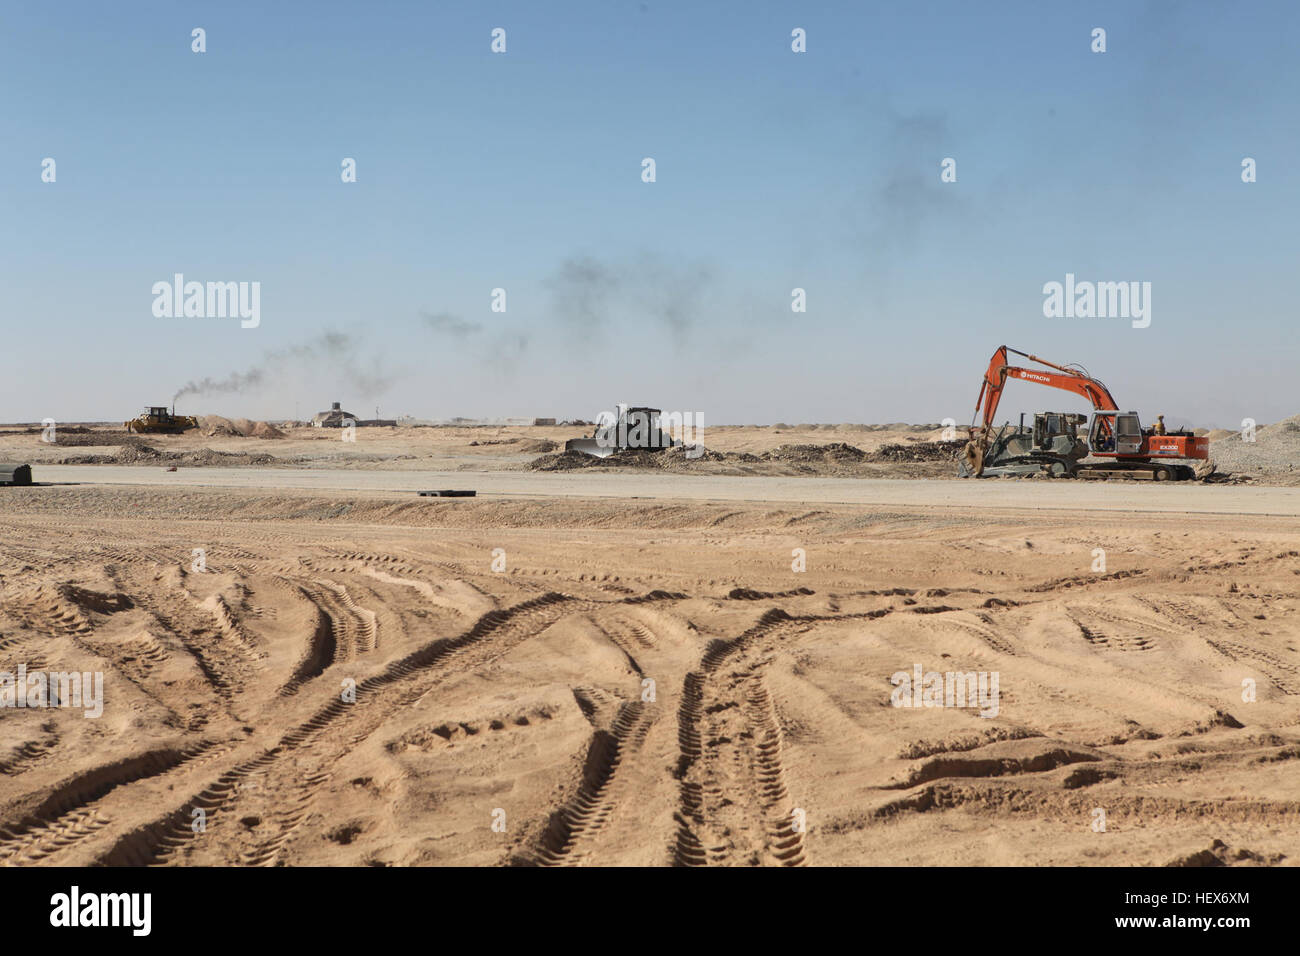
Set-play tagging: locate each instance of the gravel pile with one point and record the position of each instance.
(920, 451)
(1275, 450)
(85, 437)
(148, 455)
(933, 459)
(838, 453)
(574, 460)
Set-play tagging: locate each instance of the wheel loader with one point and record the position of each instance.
(157, 420)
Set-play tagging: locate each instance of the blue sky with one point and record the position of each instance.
(522, 171)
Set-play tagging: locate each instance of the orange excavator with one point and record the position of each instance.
(1054, 447)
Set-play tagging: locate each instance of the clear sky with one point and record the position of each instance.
(522, 171)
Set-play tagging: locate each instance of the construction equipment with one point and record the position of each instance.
(629, 428)
(15, 474)
(1054, 447)
(159, 421)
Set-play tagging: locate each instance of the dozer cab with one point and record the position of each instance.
(158, 420)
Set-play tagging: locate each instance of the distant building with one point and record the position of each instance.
(334, 418)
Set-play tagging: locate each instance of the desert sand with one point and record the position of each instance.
(630, 669)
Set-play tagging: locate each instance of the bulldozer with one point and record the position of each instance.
(630, 427)
(1054, 447)
(1051, 446)
(157, 420)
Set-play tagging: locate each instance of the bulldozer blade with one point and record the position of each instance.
(589, 446)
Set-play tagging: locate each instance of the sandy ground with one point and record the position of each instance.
(647, 681)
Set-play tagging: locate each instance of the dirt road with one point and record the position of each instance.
(977, 495)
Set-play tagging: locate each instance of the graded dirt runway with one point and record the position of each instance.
(1176, 497)
(644, 681)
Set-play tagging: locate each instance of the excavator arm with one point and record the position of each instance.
(995, 380)
(1071, 380)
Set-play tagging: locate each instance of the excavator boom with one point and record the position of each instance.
(999, 370)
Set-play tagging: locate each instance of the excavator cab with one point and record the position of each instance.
(1116, 433)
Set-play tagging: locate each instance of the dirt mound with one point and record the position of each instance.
(836, 458)
(564, 461)
(218, 426)
(572, 460)
(673, 459)
(265, 430)
(837, 453)
(142, 454)
(1220, 854)
(82, 437)
(62, 429)
(920, 451)
(209, 456)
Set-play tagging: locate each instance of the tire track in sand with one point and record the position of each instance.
(493, 634)
(735, 806)
(568, 835)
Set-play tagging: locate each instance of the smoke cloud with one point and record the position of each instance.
(908, 194)
(444, 323)
(337, 350)
(587, 294)
(580, 293)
